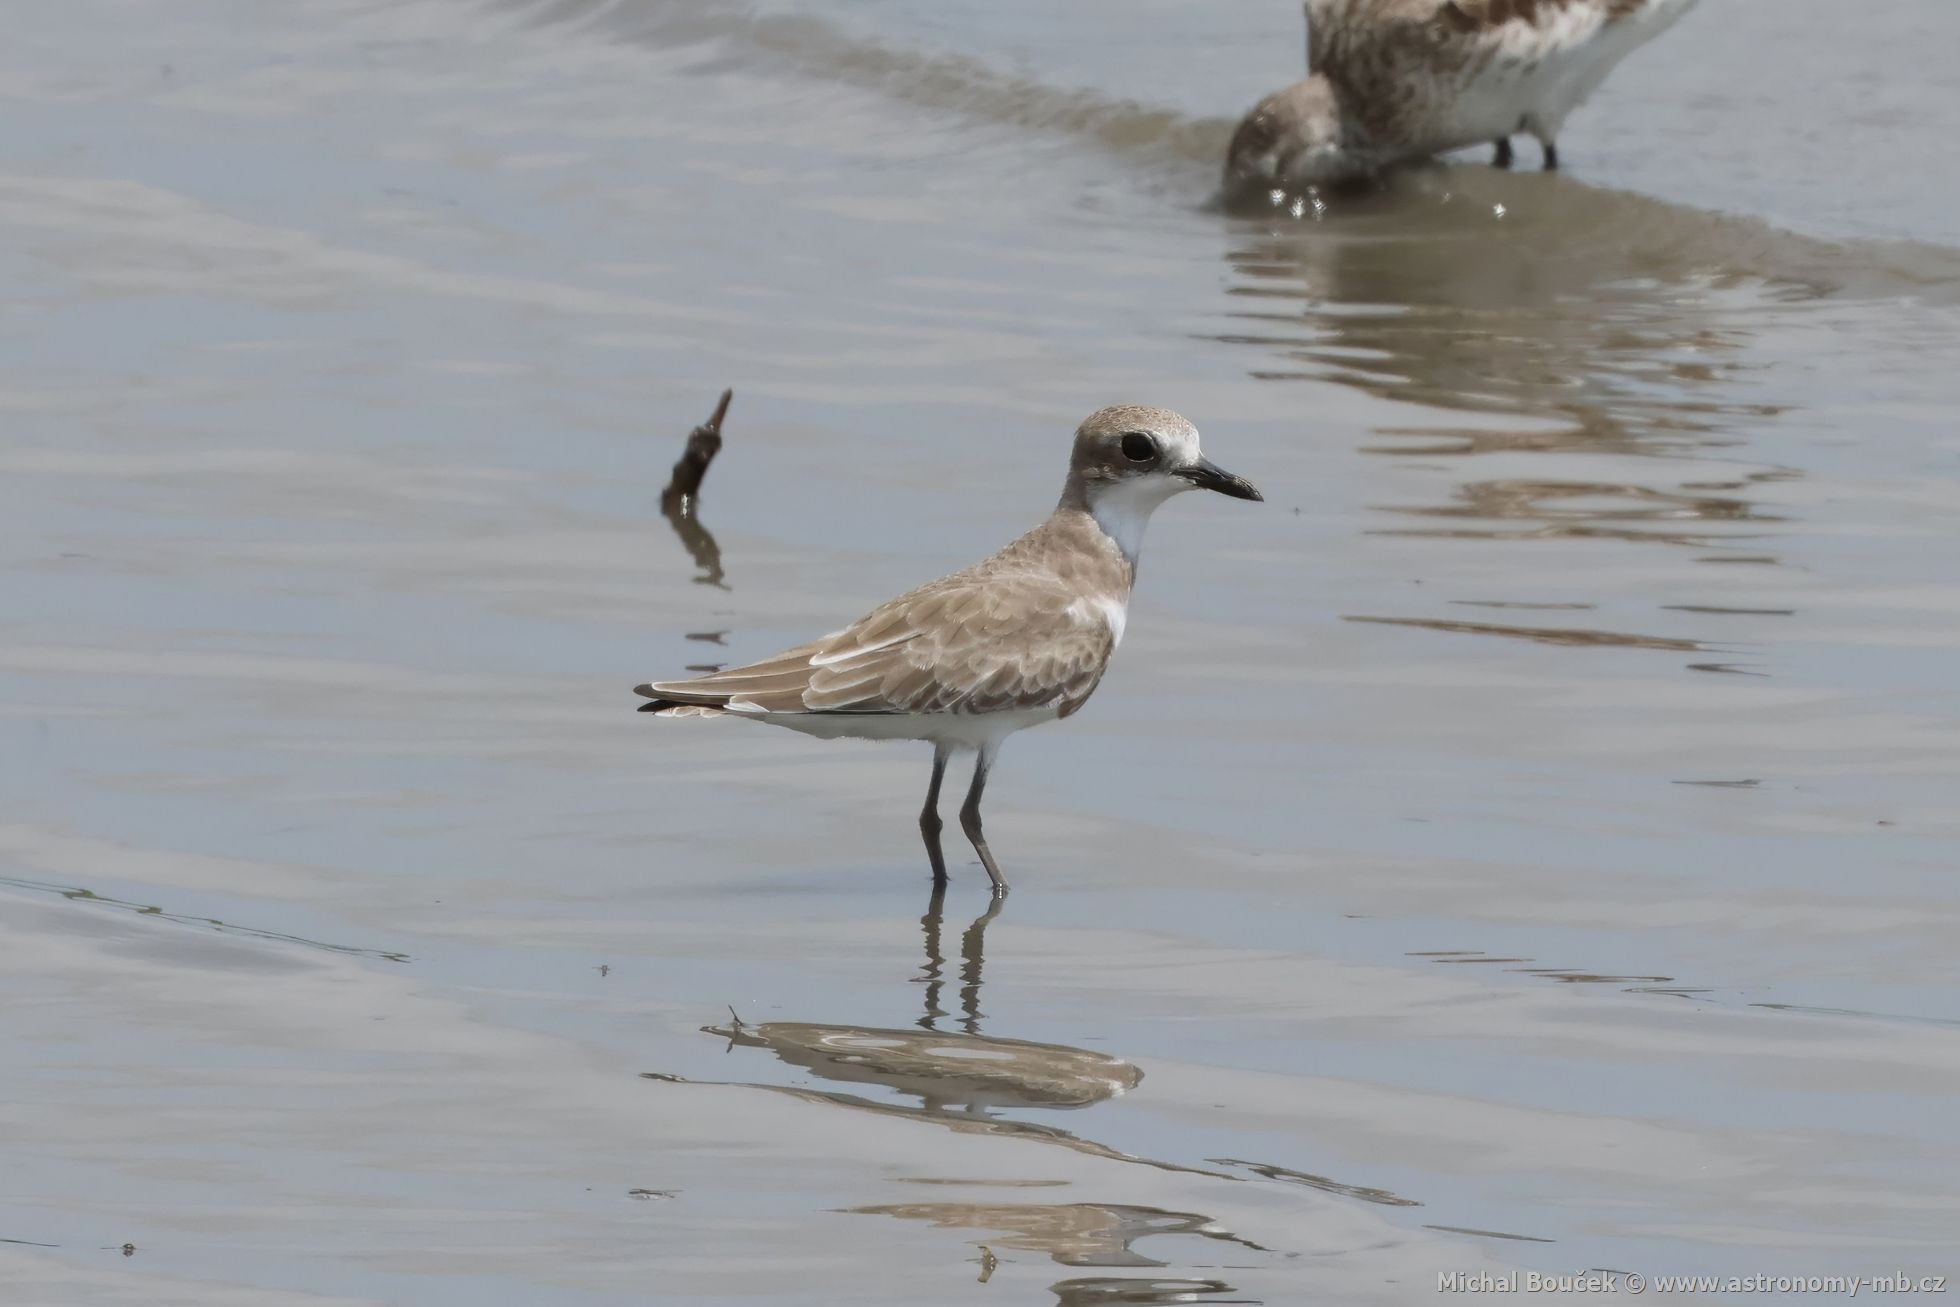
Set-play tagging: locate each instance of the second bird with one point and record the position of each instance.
(1015, 640)
(1391, 81)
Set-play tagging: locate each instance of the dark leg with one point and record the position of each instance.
(970, 818)
(1503, 157)
(929, 823)
(1551, 156)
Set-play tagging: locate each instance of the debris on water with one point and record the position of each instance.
(703, 443)
(683, 493)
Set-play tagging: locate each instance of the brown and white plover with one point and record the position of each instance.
(1391, 81)
(1018, 639)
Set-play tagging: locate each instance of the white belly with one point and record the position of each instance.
(1576, 78)
(955, 730)
(1539, 74)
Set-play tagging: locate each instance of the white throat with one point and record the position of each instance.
(1123, 510)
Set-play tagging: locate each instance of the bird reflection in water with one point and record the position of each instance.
(1567, 334)
(964, 1080)
(960, 1072)
(1073, 1234)
(1118, 1291)
(973, 945)
(968, 1082)
(1586, 312)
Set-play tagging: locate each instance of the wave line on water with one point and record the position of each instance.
(79, 894)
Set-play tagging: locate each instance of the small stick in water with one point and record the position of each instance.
(703, 443)
(683, 494)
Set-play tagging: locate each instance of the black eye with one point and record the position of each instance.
(1138, 447)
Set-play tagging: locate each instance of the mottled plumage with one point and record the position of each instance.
(1017, 639)
(1011, 632)
(1395, 80)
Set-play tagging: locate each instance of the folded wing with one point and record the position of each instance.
(951, 647)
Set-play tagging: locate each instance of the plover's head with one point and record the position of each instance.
(1294, 137)
(1130, 458)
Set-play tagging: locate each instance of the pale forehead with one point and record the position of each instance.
(1159, 422)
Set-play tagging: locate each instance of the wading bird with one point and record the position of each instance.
(1013, 641)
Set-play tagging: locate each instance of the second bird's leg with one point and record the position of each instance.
(929, 823)
(970, 817)
(1502, 159)
(1551, 155)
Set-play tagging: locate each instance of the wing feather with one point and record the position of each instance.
(963, 645)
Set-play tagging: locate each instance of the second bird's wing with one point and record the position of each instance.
(1343, 32)
(1360, 37)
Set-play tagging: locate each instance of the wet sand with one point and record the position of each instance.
(1526, 841)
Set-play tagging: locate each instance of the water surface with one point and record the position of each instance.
(1526, 841)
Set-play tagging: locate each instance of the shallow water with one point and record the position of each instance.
(1526, 841)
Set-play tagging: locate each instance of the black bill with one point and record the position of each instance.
(1208, 475)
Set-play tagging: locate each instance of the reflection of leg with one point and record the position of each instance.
(970, 817)
(934, 971)
(973, 956)
(929, 823)
(1503, 157)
